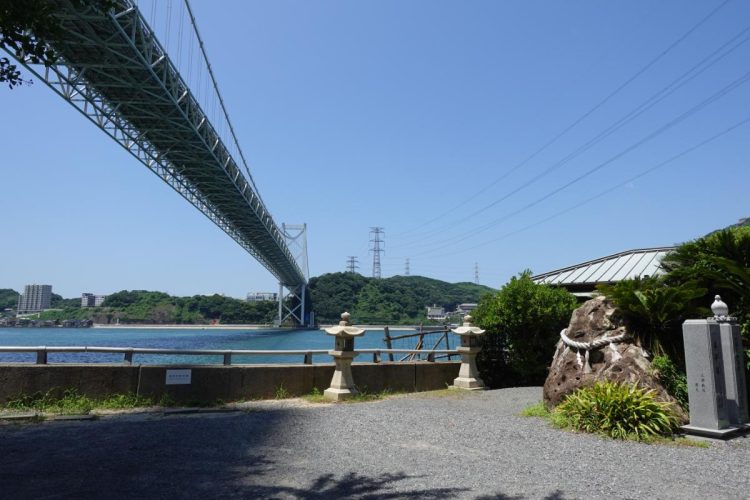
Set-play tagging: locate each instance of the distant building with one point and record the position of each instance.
(436, 313)
(34, 298)
(91, 300)
(464, 309)
(262, 296)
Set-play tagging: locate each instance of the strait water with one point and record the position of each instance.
(177, 339)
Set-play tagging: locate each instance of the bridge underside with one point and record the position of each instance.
(115, 72)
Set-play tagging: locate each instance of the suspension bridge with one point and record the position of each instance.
(168, 113)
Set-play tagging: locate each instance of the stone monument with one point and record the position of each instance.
(342, 384)
(714, 362)
(596, 347)
(468, 375)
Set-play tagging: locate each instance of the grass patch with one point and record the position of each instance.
(315, 397)
(364, 396)
(537, 410)
(681, 442)
(445, 393)
(282, 393)
(74, 403)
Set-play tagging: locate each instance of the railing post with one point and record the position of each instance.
(376, 357)
(308, 358)
(227, 358)
(128, 358)
(431, 356)
(41, 356)
(447, 343)
(388, 342)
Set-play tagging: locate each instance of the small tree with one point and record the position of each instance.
(523, 322)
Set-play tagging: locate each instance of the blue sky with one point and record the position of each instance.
(419, 117)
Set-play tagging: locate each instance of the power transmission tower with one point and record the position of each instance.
(351, 264)
(476, 273)
(406, 271)
(375, 234)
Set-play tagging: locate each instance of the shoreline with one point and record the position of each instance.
(238, 327)
(189, 327)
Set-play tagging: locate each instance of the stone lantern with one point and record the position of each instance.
(468, 375)
(342, 383)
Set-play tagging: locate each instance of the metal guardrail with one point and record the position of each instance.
(129, 352)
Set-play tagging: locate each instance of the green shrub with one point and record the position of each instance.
(523, 322)
(673, 380)
(620, 411)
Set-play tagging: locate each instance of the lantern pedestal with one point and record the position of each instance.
(342, 384)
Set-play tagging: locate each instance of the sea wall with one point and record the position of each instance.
(192, 384)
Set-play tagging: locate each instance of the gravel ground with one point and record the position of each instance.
(467, 445)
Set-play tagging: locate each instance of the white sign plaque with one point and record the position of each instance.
(178, 377)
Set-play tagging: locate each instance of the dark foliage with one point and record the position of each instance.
(8, 299)
(27, 30)
(523, 322)
(720, 263)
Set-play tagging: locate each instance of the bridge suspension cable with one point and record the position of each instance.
(114, 70)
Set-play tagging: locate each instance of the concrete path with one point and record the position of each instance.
(472, 445)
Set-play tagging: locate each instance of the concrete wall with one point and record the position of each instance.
(212, 383)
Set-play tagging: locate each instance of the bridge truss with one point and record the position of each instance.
(112, 69)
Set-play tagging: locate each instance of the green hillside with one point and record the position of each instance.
(400, 299)
(8, 299)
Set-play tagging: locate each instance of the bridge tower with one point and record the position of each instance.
(292, 299)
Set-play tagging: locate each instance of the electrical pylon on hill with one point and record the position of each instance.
(376, 233)
(292, 299)
(476, 273)
(407, 270)
(352, 264)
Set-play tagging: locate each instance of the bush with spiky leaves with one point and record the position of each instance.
(654, 312)
(720, 263)
(620, 411)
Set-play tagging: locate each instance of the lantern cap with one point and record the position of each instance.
(344, 329)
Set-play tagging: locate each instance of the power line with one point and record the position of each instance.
(686, 77)
(605, 192)
(575, 123)
(706, 102)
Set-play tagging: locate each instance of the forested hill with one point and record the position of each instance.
(8, 298)
(400, 299)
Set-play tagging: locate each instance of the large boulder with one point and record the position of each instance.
(625, 362)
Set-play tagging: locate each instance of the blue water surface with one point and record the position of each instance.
(271, 339)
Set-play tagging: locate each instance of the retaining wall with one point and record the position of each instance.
(209, 383)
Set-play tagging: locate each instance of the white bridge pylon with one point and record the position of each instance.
(292, 299)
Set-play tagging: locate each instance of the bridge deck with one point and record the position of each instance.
(114, 70)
